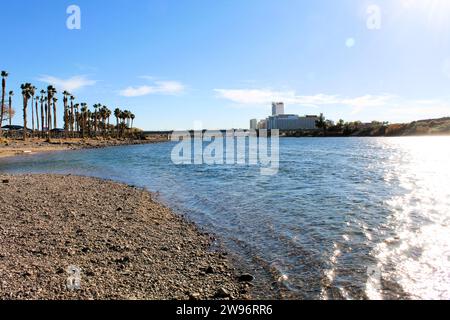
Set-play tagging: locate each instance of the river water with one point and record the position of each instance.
(344, 218)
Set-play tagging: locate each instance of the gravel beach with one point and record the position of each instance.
(70, 237)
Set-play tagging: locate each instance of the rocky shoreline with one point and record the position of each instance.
(111, 240)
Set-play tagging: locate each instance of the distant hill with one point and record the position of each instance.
(378, 129)
(422, 127)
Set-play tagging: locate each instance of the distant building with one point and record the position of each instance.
(262, 125)
(284, 122)
(292, 122)
(277, 108)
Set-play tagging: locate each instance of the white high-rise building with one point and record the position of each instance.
(253, 124)
(277, 108)
(292, 122)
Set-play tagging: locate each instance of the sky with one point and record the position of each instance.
(178, 64)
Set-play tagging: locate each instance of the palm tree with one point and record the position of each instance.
(76, 117)
(123, 116)
(117, 114)
(49, 117)
(126, 115)
(321, 123)
(51, 91)
(89, 122)
(55, 120)
(72, 115)
(37, 113)
(11, 94)
(43, 116)
(26, 93)
(96, 106)
(83, 118)
(85, 121)
(132, 116)
(4, 75)
(108, 116)
(66, 113)
(101, 120)
(42, 111)
(32, 93)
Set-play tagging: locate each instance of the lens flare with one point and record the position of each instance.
(437, 12)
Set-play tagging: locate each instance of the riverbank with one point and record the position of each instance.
(126, 245)
(10, 147)
(431, 127)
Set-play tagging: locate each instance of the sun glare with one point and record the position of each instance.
(437, 12)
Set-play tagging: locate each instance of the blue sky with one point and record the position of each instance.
(174, 63)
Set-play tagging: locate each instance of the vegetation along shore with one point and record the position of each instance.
(12, 147)
(117, 240)
(327, 128)
(41, 115)
(83, 127)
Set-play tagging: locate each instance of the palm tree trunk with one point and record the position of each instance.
(66, 120)
(72, 117)
(37, 115)
(83, 125)
(55, 124)
(49, 120)
(77, 123)
(95, 122)
(3, 102)
(89, 125)
(117, 127)
(42, 117)
(45, 123)
(32, 113)
(49, 114)
(25, 102)
(10, 111)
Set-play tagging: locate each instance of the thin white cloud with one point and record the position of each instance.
(266, 96)
(71, 84)
(150, 78)
(384, 102)
(255, 96)
(368, 101)
(158, 87)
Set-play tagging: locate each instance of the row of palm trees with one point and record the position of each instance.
(78, 119)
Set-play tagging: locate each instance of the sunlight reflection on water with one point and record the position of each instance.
(419, 251)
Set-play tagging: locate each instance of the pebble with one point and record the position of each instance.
(222, 293)
(246, 277)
